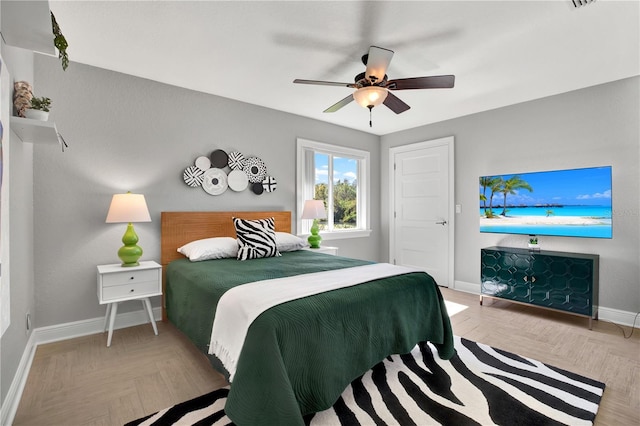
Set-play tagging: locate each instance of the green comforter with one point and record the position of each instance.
(299, 356)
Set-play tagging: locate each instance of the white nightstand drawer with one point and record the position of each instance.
(129, 277)
(131, 291)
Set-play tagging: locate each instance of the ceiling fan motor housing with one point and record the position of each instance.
(362, 81)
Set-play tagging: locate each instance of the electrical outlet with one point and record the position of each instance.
(28, 321)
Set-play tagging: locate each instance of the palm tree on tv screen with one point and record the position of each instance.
(485, 182)
(494, 183)
(510, 186)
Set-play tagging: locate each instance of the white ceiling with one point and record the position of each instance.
(501, 52)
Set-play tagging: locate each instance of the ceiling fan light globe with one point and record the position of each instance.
(370, 96)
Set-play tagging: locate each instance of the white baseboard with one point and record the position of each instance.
(11, 401)
(466, 287)
(617, 316)
(56, 333)
(606, 314)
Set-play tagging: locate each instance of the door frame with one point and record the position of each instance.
(393, 151)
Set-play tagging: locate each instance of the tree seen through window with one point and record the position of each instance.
(341, 190)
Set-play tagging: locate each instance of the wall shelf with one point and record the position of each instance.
(35, 131)
(27, 24)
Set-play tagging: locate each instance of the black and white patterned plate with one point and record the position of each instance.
(214, 181)
(269, 184)
(255, 169)
(236, 160)
(193, 176)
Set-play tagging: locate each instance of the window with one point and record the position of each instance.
(340, 177)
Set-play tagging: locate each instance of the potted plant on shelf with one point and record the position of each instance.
(533, 243)
(39, 109)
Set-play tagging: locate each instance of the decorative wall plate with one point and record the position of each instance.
(269, 184)
(214, 181)
(255, 169)
(219, 159)
(236, 160)
(246, 172)
(257, 188)
(203, 163)
(193, 176)
(237, 180)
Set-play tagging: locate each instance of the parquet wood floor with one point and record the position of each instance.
(82, 382)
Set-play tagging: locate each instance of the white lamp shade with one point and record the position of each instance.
(370, 96)
(126, 208)
(314, 209)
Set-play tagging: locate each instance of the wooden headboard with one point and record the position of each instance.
(180, 228)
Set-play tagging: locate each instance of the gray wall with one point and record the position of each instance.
(590, 127)
(127, 133)
(20, 259)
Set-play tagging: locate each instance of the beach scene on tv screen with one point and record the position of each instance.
(571, 203)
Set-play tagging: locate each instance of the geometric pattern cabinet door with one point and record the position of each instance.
(565, 283)
(504, 275)
(561, 281)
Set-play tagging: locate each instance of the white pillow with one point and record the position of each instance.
(289, 242)
(210, 248)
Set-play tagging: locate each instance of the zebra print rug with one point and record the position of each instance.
(480, 385)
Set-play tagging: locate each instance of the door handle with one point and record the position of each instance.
(442, 222)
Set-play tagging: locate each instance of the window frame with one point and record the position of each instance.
(305, 172)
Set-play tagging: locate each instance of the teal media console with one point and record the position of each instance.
(561, 281)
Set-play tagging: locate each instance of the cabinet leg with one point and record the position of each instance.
(114, 311)
(106, 317)
(480, 300)
(147, 304)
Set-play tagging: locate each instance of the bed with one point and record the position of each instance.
(298, 356)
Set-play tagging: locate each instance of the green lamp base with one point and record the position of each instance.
(130, 252)
(314, 239)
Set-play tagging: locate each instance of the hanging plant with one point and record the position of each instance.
(60, 42)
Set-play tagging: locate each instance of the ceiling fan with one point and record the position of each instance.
(373, 86)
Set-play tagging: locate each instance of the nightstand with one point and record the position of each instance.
(325, 249)
(118, 284)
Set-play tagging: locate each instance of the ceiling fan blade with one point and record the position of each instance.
(395, 104)
(433, 82)
(378, 61)
(324, 83)
(340, 104)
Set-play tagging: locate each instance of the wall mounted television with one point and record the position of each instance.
(567, 203)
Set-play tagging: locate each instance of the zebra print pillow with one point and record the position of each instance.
(256, 238)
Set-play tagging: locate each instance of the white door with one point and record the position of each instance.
(422, 218)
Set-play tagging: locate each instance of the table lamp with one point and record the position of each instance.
(314, 209)
(129, 208)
